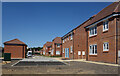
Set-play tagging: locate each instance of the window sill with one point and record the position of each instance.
(92, 36)
(105, 31)
(94, 55)
(105, 51)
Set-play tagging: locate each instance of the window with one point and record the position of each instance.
(105, 46)
(83, 52)
(71, 36)
(71, 49)
(52, 51)
(57, 52)
(63, 50)
(58, 45)
(105, 25)
(93, 49)
(93, 31)
(63, 41)
(43, 52)
(79, 52)
(68, 37)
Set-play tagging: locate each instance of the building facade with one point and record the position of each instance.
(56, 47)
(67, 45)
(47, 48)
(16, 47)
(97, 39)
(103, 35)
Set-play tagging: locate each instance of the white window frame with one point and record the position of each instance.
(71, 49)
(79, 53)
(71, 37)
(57, 53)
(63, 40)
(93, 49)
(63, 50)
(83, 53)
(93, 30)
(68, 37)
(58, 46)
(106, 25)
(105, 47)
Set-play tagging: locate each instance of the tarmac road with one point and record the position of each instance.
(71, 67)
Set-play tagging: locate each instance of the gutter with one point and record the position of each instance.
(116, 41)
(93, 24)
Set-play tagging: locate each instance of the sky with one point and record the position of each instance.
(35, 23)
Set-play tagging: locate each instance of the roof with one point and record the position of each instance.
(48, 44)
(112, 8)
(14, 41)
(84, 23)
(57, 40)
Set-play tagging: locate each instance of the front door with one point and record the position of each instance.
(66, 52)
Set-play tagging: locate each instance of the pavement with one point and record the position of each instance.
(83, 60)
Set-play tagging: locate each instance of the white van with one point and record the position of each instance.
(29, 54)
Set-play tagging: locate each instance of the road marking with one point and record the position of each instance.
(15, 63)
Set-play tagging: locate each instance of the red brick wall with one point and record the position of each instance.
(102, 37)
(67, 44)
(80, 42)
(16, 51)
(54, 46)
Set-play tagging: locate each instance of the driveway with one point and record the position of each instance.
(37, 61)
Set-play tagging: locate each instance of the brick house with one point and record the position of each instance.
(16, 47)
(56, 47)
(79, 43)
(67, 45)
(103, 35)
(47, 47)
(74, 42)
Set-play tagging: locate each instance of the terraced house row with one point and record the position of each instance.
(96, 39)
(53, 48)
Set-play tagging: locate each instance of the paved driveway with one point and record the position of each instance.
(38, 61)
(39, 58)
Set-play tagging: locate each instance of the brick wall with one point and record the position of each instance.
(16, 51)
(102, 37)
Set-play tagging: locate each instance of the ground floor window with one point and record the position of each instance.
(43, 52)
(105, 46)
(57, 52)
(63, 50)
(83, 52)
(52, 51)
(93, 49)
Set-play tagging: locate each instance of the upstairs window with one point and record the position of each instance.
(58, 45)
(63, 41)
(71, 37)
(93, 31)
(93, 49)
(105, 25)
(68, 37)
(105, 46)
